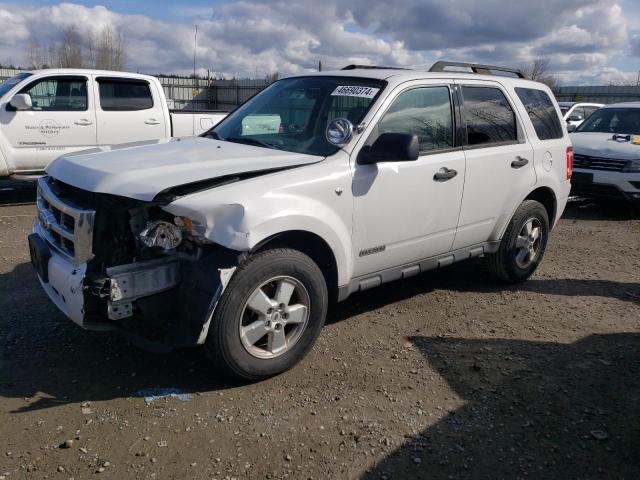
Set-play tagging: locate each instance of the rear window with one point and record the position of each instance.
(124, 95)
(489, 116)
(542, 113)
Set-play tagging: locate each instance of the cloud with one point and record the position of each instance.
(257, 37)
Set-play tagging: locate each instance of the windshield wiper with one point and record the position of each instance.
(250, 141)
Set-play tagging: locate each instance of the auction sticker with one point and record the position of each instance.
(355, 91)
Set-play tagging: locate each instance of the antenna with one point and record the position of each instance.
(195, 81)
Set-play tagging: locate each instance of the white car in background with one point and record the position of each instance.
(576, 113)
(607, 153)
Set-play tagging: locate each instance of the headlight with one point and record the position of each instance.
(161, 234)
(632, 166)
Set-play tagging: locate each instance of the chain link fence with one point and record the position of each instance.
(595, 94)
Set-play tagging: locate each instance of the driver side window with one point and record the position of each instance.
(58, 94)
(423, 111)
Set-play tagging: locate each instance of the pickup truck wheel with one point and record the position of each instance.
(523, 244)
(269, 316)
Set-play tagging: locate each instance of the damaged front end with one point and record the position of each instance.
(134, 266)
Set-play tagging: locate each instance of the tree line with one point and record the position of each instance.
(104, 50)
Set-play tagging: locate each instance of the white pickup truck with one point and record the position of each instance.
(48, 113)
(320, 186)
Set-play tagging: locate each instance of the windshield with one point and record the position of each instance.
(613, 120)
(12, 82)
(292, 114)
(564, 109)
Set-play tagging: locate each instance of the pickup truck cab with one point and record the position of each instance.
(48, 113)
(320, 186)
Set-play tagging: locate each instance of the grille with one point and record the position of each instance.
(68, 228)
(598, 163)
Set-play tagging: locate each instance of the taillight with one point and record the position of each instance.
(569, 162)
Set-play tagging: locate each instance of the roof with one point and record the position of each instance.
(403, 75)
(623, 105)
(88, 71)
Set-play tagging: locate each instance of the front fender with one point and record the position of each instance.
(243, 227)
(325, 225)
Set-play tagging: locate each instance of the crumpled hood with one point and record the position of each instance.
(602, 145)
(141, 170)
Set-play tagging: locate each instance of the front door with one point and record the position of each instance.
(61, 120)
(408, 211)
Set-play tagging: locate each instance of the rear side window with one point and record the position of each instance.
(489, 116)
(58, 94)
(124, 95)
(542, 113)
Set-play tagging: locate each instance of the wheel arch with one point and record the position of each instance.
(312, 245)
(548, 199)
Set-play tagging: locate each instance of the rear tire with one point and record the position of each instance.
(269, 316)
(523, 244)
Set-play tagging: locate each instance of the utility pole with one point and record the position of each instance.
(319, 65)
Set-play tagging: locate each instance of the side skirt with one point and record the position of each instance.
(371, 280)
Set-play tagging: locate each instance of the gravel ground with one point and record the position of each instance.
(447, 375)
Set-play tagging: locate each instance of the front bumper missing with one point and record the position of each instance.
(158, 304)
(127, 283)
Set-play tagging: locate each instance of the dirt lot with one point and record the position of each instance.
(448, 375)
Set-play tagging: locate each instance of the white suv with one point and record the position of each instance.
(320, 186)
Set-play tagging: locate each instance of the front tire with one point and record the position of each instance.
(269, 316)
(523, 244)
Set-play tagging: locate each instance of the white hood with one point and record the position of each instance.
(604, 146)
(142, 170)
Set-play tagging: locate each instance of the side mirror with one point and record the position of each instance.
(571, 128)
(575, 118)
(391, 147)
(21, 101)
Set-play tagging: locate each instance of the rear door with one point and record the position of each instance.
(61, 120)
(499, 162)
(549, 143)
(128, 110)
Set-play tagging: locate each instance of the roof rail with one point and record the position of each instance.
(371, 67)
(475, 68)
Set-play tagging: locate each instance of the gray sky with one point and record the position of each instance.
(585, 41)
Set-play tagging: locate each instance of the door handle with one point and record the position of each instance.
(152, 121)
(83, 122)
(519, 162)
(444, 174)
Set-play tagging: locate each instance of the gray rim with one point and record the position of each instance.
(274, 317)
(528, 243)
